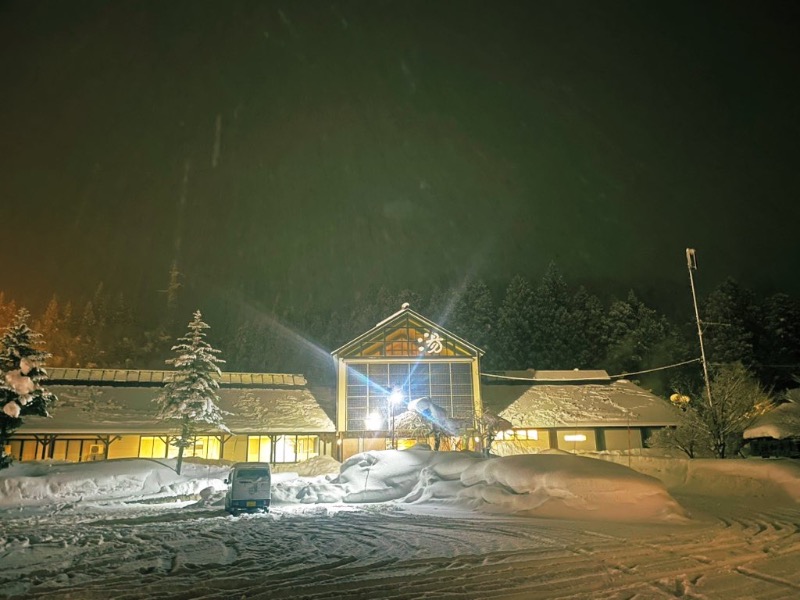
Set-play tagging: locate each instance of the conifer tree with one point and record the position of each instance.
(589, 337)
(514, 337)
(22, 371)
(729, 316)
(778, 345)
(474, 315)
(551, 326)
(191, 396)
(639, 337)
(8, 308)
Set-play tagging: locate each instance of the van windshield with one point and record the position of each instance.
(252, 474)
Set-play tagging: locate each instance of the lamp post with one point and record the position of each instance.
(691, 260)
(394, 399)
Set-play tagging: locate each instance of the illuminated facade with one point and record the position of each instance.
(110, 413)
(405, 381)
(403, 363)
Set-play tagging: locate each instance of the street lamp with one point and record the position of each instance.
(395, 398)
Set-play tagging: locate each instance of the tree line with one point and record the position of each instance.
(546, 324)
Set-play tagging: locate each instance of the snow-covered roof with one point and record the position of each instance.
(138, 376)
(100, 409)
(781, 422)
(618, 403)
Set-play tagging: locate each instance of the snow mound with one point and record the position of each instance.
(544, 485)
(568, 487)
(313, 467)
(303, 490)
(749, 478)
(39, 483)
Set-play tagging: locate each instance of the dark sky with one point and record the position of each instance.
(330, 146)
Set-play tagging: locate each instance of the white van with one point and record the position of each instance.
(248, 487)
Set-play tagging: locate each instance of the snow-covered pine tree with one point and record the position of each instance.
(22, 371)
(191, 396)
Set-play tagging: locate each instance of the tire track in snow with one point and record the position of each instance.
(323, 554)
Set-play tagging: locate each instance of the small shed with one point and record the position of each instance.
(777, 433)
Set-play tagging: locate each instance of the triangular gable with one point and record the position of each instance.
(407, 334)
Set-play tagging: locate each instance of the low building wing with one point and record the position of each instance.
(618, 403)
(110, 401)
(572, 410)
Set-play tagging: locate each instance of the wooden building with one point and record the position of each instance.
(403, 359)
(110, 413)
(384, 376)
(576, 411)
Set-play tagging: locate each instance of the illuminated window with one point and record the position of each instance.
(295, 448)
(259, 448)
(518, 434)
(282, 449)
(204, 446)
(447, 384)
(578, 437)
(156, 447)
(146, 447)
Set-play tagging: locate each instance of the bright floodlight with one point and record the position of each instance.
(373, 422)
(396, 397)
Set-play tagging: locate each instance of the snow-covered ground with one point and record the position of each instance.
(406, 524)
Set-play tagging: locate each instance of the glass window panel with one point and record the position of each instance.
(447, 384)
(356, 374)
(284, 449)
(252, 448)
(146, 447)
(358, 402)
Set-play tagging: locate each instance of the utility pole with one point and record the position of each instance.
(691, 263)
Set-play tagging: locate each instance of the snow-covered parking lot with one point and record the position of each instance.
(129, 529)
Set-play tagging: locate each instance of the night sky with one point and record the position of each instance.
(310, 150)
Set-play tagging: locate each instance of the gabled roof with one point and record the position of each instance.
(105, 409)
(159, 377)
(396, 320)
(619, 403)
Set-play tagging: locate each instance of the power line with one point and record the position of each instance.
(680, 364)
(512, 378)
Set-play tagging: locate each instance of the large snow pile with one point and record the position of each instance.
(552, 485)
(547, 485)
(313, 467)
(38, 483)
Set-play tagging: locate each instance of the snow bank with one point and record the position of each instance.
(313, 467)
(546, 485)
(38, 483)
(773, 478)
(556, 485)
